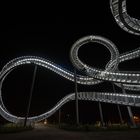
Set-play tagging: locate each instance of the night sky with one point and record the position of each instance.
(53, 41)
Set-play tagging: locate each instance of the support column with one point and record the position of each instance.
(76, 97)
(118, 107)
(120, 114)
(129, 110)
(30, 96)
(59, 118)
(101, 115)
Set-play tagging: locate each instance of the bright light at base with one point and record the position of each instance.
(45, 122)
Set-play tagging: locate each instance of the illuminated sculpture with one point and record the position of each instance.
(130, 80)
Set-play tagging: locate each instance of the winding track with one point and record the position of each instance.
(130, 80)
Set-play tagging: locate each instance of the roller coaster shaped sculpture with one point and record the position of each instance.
(129, 80)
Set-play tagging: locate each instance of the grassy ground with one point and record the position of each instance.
(13, 128)
(91, 127)
(42, 132)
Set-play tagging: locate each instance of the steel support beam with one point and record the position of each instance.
(30, 96)
(76, 97)
(101, 115)
(118, 107)
(129, 110)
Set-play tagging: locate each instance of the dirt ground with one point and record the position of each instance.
(50, 133)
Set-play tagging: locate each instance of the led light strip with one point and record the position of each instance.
(127, 23)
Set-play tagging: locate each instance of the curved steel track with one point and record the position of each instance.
(92, 75)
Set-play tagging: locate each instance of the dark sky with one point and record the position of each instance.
(53, 41)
